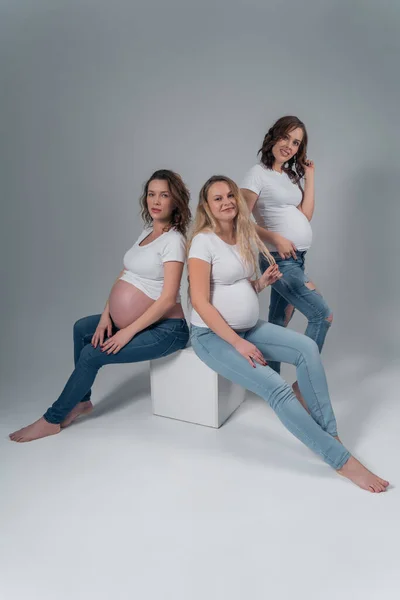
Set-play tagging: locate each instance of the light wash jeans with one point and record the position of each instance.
(292, 290)
(160, 339)
(317, 429)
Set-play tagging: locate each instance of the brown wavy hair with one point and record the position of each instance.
(294, 168)
(246, 236)
(181, 215)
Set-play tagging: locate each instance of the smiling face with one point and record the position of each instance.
(159, 201)
(222, 202)
(288, 145)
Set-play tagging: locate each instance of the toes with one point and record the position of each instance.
(374, 488)
(378, 486)
(382, 483)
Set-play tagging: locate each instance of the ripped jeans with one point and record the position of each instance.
(291, 293)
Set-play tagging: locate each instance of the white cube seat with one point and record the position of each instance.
(184, 388)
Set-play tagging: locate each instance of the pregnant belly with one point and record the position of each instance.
(293, 225)
(237, 303)
(127, 303)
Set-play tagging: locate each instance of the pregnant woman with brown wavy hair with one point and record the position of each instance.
(279, 191)
(143, 318)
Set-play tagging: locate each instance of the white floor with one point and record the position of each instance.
(126, 505)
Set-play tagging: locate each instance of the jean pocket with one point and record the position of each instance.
(182, 335)
(196, 331)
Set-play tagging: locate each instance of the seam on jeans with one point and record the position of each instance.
(294, 425)
(177, 331)
(344, 460)
(224, 364)
(270, 317)
(176, 327)
(79, 378)
(318, 317)
(180, 346)
(298, 296)
(323, 323)
(312, 443)
(153, 330)
(324, 424)
(247, 379)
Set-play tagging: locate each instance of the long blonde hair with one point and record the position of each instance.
(247, 240)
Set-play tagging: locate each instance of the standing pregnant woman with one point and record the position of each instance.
(143, 318)
(228, 336)
(279, 191)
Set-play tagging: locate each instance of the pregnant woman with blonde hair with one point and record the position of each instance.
(143, 318)
(228, 336)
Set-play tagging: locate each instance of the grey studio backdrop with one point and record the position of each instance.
(94, 96)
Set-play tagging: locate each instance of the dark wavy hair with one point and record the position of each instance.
(295, 166)
(181, 215)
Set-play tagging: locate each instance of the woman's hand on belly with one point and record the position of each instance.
(114, 344)
(285, 247)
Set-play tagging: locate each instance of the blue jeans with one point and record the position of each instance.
(317, 429)
(160, 339)
(291, 291)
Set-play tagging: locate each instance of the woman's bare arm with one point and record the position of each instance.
(284, 247)
(269, 237)
(307, 205)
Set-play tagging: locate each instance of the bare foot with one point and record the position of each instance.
(359, 475)
(82, 408)
(297, 393)
(39, 429)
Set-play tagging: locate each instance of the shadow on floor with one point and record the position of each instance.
(122, 396)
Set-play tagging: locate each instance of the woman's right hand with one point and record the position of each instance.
(103, 330)
(250, 352)
(285, 247)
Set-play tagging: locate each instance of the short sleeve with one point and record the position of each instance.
(253, 180)
(174, 249)
(200, 248)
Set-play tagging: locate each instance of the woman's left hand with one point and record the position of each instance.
(270, 276)
(117, 341)
(309, 167)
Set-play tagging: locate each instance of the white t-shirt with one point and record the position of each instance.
(144, 264)
(275, 208)
(231, 293)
